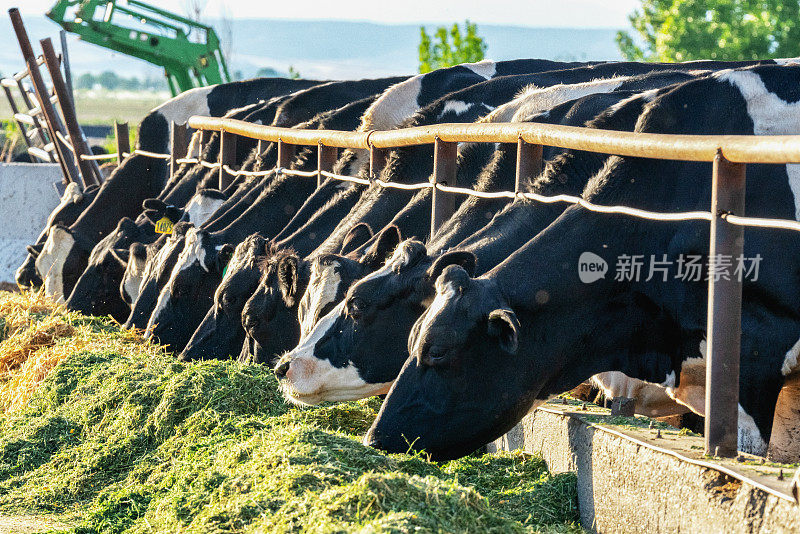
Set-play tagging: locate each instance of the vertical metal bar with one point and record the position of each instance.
(529, 163)
(285, 154)
(262, 146)
(724, 311)
(67, 66)
(377, 159)
(123, 140)
(443, 205)
(180, 143)
(89, 170)
(326, 158)
(64, 159)
(227, 156)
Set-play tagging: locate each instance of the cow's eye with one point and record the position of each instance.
(355, 307)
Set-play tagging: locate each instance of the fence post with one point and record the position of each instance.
(123, 140)
(179, 143)
(529, 163)
(326, 158)
(724, 311)
(227, 156)
(377, 159)
(443, 205)
(90, 172)
(285, 154)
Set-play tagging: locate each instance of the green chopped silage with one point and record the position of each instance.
(129, 440)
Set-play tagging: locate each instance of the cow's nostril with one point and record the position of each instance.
(282, 369)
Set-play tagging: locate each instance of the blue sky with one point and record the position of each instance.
(537, 13)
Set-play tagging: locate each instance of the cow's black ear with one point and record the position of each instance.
(357, 236)
(35, 249)
(153, 204)
(504, 325)
(224, 255)
(288, 267)
(122, 255)
(383, 247)
(465, 259)
(173, 214)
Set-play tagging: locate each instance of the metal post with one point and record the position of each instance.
(529, 163)
(724, 311)
(285, 154)
(64, 159)
(123, 140)
(377, 159)
(89, 170)
(67, 66)
(227, 156)
(443, 205)
(326, 158)
(179, 143)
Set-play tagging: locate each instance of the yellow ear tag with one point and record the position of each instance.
(164, 226)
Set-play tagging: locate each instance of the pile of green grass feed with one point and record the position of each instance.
(123, 438)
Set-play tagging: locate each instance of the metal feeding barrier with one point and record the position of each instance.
(728, 153)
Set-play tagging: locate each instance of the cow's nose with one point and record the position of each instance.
(282, 369)
(371, 440)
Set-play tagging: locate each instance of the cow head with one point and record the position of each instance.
(155, 276)
(97, 289)
(358, 349)
(221, 333)
(332, 274)
(62, 260)
(134, 272)
(462, 355)
(189, 293)
(270, 315)
(26, 275)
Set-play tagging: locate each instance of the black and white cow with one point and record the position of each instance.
(338, 358)
(73, 202)
(489, 349)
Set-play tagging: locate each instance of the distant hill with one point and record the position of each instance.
(327, 49)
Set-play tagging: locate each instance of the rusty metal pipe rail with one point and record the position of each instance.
(735, 148)
(728, 153)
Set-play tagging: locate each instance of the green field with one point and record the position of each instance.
(104, 432)
(105, 107)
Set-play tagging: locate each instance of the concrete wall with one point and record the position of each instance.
(627, 485)
(27, 197)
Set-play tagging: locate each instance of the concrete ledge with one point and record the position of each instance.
(27, 197)
(631, 481)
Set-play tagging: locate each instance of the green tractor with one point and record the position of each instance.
(188, 51)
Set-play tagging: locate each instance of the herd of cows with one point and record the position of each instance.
(342, 290)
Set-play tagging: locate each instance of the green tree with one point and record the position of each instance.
(684, 30)
(293, 74)
(448, 48)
